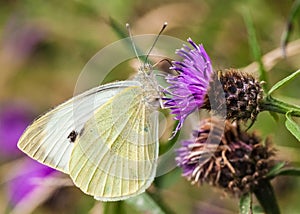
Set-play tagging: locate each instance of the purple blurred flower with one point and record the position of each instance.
(20, 38)
(189, 88)
(28, 178)
(14, 118)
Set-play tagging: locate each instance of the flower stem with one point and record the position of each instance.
(164, 207)
(266, 197)
(275, 105)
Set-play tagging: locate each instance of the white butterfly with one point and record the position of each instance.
(106, 138)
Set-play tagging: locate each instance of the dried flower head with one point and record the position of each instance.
(198, 86)
(236, 165)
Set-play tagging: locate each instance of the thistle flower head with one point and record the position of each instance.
(236, 165)
(189, 87)
(230, 94)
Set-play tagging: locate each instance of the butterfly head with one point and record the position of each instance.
(146, 77)
(146, 68)
(150, 86)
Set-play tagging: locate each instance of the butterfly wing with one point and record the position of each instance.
(48, 138)
(115, 155)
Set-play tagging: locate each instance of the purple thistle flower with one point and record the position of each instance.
(189, 88)
(27, 180)
(234, 95)
(14, 118)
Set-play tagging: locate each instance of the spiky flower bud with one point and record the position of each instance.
(236, 165)
(242, 92)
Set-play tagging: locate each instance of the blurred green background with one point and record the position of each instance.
(44, 46)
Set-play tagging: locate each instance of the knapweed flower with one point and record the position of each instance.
(236, 165)
(14, 118)
(189, 88)
(29, 177)
(198, 86)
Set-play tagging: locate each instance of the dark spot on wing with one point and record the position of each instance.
(81, 131)
(72, 136)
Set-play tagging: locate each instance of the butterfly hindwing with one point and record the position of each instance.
(115, 153)
(49, 139)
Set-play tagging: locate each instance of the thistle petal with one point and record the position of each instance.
(189, 88)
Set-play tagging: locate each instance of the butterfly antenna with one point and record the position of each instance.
(133, 45)
(160, 32)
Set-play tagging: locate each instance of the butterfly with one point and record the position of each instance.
(106, 138)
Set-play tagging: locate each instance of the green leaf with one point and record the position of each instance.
(256, 52)
(245, 204)
(144, 203)
(288, 172)
(274, 116)
(292, 126)
(275, 170)
(118, 28)
(283, 81)
(289, 25)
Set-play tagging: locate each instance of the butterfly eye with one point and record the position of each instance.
(147, 68)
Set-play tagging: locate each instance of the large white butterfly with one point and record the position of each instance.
(106, 138)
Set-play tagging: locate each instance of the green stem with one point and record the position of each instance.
(275, 105)
(113, 207)
(156, 197)
(266, 197)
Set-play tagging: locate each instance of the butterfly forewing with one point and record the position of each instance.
(115, 153)
(50, 138)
